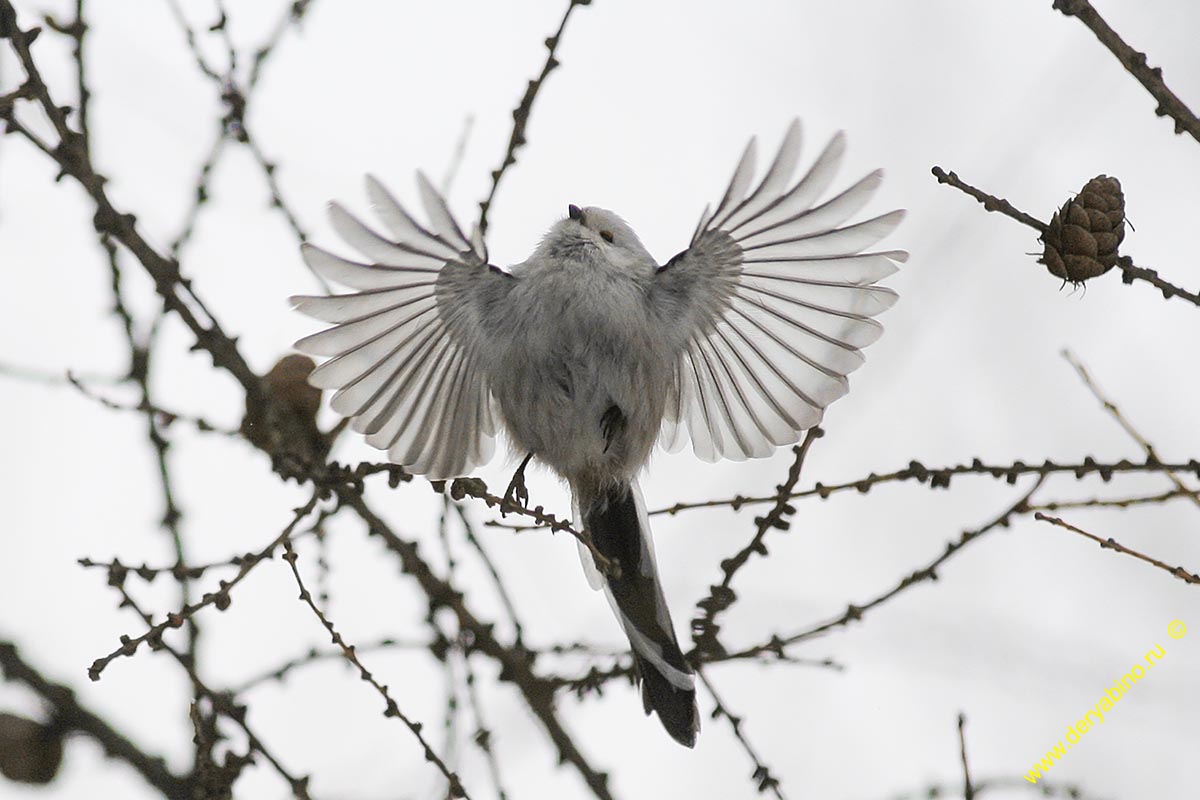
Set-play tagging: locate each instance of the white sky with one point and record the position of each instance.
(647, 116)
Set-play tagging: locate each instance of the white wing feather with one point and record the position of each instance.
(778, 301)
(408, 350)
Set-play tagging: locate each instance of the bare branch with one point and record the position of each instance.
(721, 596)
(350, 654)
(224, 703)
(968, 787)
(521, 113)
(921, 575)
(764, 780)
(1125, 424)
(219, 598)
(1134, 62)
(1113, 502)
(460, 151)
(490, 566)
(939, 478)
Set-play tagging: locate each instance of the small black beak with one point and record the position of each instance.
(575, 213)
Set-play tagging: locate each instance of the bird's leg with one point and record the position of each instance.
(516, 493)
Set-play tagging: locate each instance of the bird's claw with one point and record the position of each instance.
(517, 494)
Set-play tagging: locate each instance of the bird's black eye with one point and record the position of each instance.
(606, 236)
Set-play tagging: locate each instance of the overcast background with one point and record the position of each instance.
(653, 103)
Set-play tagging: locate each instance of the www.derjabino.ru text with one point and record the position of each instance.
(1112, 695)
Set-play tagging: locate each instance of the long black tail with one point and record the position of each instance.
(618, 525)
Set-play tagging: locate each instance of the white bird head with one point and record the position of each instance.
(598, 228)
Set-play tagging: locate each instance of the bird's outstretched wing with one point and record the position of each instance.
(775, 301)
(408, 349)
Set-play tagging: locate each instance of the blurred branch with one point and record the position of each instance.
(189, 36)
(200, 194)
(460, 152)
(163, 417)
(1134, 62)
(1125, 424)
(291, 18)
(70, 714)
(968, 787)
(939, 478)
(483, 734)
(1111, 544)
(269, 168)
(349, 653)
(989, 786)
(314, 656)
(77, 30)
(721, 596)
(763, 779)
(1129, 271)
(490, 566)
(521, 113)
(51, 378)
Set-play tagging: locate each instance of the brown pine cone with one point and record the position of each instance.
(288, 382)
(1082, 239)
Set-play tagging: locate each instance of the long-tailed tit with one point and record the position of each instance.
(590, 351)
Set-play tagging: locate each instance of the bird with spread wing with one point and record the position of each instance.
(589, 352)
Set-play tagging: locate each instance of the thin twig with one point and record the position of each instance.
(164, 417)
(921, 575)
(1113, 502)
(189, 36)
(1125, 424)
(490, 566)
(763, 779)
(223, 702)
(391, 709)
(314, 656)
(52, 377)
(1112, 544)
(721, 596)
(292, 17)
(939, 478)
(989, 202)
(219, 598)
(1007, 784)
(968, 787)
(483, 734)
(521, 113)
(460, 151)
(200, 193)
